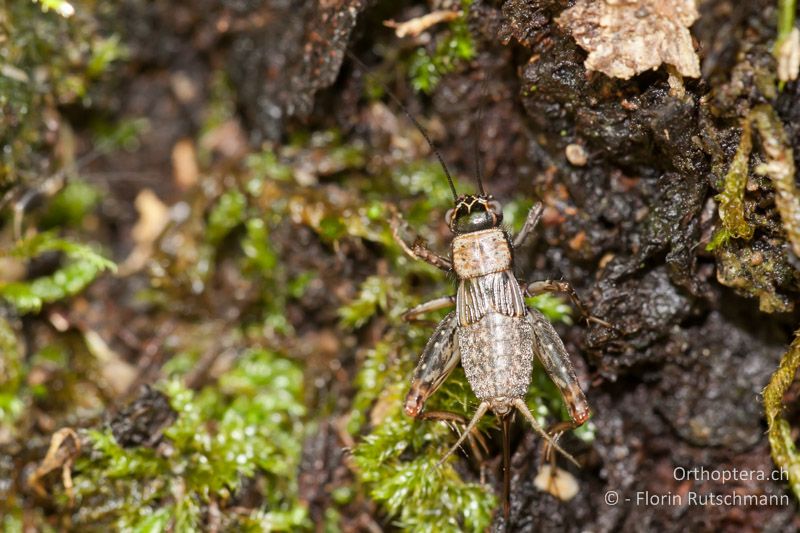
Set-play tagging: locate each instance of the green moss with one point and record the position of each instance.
(787, 10)
(83, 265)
(780, 168)
(48, 60)
(758, 268)
(71, 205)
(248, 426)
(397, 460)
(731, 199)
(451, 53)
(781, 440)
(372, 297)
(265, 165)
(12, 404)
(227, 213)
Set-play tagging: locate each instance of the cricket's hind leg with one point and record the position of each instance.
(477, 441)
(556, 431)
(439, 358)
(519, 403)
(522, 407)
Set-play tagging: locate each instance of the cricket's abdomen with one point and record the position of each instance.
(497, 355)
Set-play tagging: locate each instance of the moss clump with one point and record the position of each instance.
(759, 267)
(48, 60)
(731, 199)
(82, 266)
(245, 431)
(11, 376)
(452, 51)
(781, 440)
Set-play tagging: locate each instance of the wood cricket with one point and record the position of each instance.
(491, 332)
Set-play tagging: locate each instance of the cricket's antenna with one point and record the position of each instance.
(506, 420)
(422, 130)
(478, 164)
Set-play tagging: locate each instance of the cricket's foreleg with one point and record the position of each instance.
(530, 223)
(418, 249)
(540, 287)
(438, 360)
(433, 305)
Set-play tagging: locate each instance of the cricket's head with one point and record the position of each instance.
(474, 213)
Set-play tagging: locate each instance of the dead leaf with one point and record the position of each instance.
(118, 373)
(557, 482)
(788, 56)
(153, 218)
(626, 37)
(184, 164)
(65, 447)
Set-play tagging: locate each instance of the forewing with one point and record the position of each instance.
(498, 291)
(550, 350)
(438, 360)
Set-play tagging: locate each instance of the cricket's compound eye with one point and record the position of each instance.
(474, 213)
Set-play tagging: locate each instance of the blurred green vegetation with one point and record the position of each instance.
(82, 266)
(453, 50)
(256, 409)
(48, 60)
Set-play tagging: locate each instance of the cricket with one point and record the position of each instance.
(492, 332)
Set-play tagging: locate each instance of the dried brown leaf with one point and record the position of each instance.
(626, 37)
(65, 446)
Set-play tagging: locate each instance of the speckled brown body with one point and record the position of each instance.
(497, 355)
(495, 338)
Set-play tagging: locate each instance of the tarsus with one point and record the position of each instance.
(422, 130)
